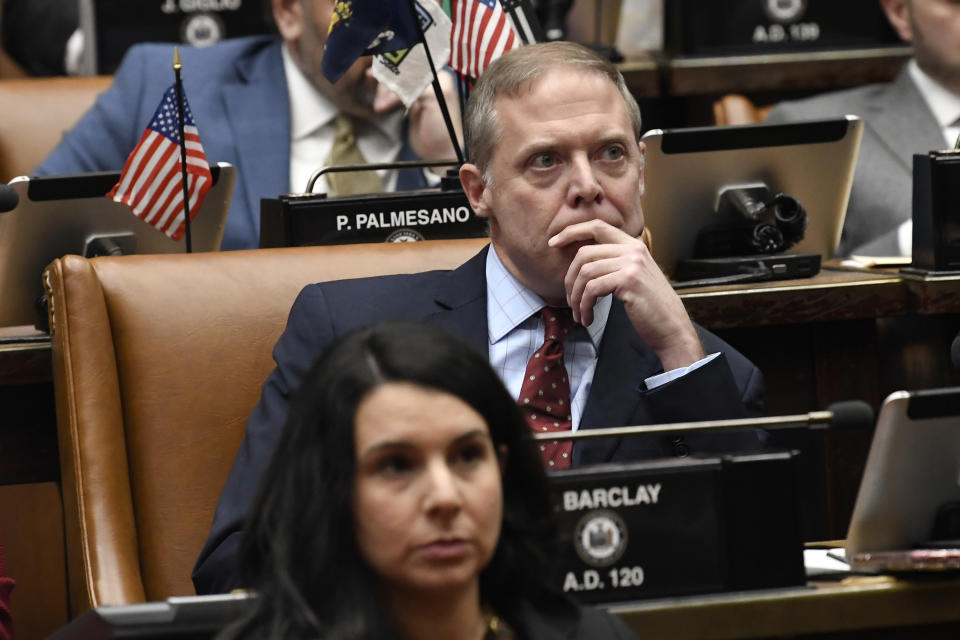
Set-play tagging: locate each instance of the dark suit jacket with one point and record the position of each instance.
(238, 95)
(730, 386)
(897, 124)
(567, 620)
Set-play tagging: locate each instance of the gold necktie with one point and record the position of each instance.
(345, 151)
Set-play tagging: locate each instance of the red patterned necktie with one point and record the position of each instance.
(545, 394)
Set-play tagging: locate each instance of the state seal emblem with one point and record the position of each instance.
(600, 538)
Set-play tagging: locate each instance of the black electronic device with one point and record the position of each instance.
(678, 526)
(183, 618)
(936, 211)
(697, 272)
(723, 27)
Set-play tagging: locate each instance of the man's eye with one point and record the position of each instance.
(613, 152)
(544, 160)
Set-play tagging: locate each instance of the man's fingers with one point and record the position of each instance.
(592, 274)
(596, 230)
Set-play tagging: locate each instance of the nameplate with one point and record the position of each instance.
(639, 531)
(694, 27)
(113, 26)
(295, 220)
(678, 526)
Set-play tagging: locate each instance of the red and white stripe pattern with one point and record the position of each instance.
(482, 32)
(151, 182)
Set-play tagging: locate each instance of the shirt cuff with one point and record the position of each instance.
(669, 376)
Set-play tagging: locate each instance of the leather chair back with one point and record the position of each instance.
(35, 113)
(734, 108)
(158, 360)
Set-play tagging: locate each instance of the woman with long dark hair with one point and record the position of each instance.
(405, 501)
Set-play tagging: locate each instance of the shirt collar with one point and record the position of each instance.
(944, 104)
(310, 109)
(509, 303)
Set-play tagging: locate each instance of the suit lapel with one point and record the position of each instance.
(902, 120)
(258, 114)
(624, 362)
(461, 298)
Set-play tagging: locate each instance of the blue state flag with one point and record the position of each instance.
(363, 28)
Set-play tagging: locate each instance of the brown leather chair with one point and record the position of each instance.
(734, 108)
(35, 114)
(158, 360)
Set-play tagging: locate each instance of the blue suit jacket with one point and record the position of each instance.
(730, 386)
(237, 92)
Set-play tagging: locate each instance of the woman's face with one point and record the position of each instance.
(428, 501)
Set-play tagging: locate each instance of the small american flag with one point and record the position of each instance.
(481, 34)
(151, 181)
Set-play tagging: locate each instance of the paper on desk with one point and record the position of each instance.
(824, 562)
(877, 261)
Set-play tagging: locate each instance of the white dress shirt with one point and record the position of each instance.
(515, 332)
(312, 129)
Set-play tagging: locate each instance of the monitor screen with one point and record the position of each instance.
(70, 214)
(687, 169)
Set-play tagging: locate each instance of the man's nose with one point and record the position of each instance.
(583, 188)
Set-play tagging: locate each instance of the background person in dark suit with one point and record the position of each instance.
(262, 104)
(405, 500)
(557, 170)
(915, 113)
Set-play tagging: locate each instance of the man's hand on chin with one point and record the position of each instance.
(621, 264)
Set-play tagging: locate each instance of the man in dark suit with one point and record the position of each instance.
(557, 169)
(915, 113)
(262, 104)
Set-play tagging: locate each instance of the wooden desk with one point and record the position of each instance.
(860, 607)
(838, 336)
(811, 70)
(31, 510)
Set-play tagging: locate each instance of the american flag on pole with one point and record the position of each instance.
(151, 180)
(482, 32)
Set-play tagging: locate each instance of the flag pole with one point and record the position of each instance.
(436, 83)
(183, 147)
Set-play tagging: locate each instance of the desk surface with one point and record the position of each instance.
(833, 294)
(856, 604)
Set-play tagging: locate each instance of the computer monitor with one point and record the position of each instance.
(909, 496)
(59, 215)
(687, 169)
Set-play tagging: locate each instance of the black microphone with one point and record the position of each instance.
(9, 199)
(847, 415)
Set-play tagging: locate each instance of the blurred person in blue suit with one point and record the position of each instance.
(262, 104)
